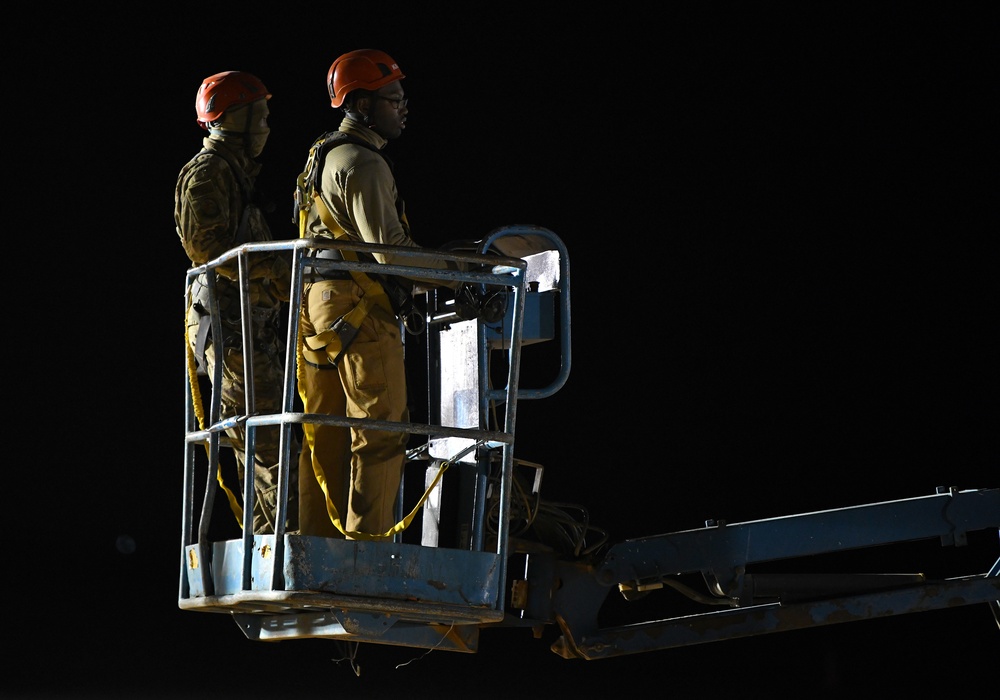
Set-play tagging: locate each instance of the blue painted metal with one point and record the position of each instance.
(381, 570)
(764, 619)
(440, 596)
(725, 556)
(724, 549)
(565, 308)
(288, 585)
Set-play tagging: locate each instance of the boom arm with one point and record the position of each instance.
(759, 603)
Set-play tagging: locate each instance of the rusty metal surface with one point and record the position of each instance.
(764, 619)
(383, 570)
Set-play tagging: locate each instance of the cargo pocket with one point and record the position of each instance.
(367, 370)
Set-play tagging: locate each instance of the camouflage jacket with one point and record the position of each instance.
(215, 211)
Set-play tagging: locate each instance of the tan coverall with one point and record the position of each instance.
(360, 469)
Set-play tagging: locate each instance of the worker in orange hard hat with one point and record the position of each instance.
(234, 104)
(217, 208)
(348, 191)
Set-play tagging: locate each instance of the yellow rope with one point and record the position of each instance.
(199, 411)
(328, 343)
(308, 432)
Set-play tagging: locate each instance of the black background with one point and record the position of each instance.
(783, 300)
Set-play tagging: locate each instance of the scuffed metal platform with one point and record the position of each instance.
(392, 593)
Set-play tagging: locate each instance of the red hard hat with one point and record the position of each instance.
(365, 69)
(226, 90)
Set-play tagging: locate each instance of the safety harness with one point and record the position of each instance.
(265, 320)
(327, 347)
(324, 349)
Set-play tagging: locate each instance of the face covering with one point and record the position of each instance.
(248, 123)
(258, 130)
(255, 144)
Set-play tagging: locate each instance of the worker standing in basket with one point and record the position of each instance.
(351, 362)
(217, 208)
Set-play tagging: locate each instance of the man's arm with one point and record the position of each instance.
(372, 196)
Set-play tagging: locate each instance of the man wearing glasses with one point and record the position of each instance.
(349, 477)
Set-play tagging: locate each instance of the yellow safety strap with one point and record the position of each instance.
(328, 342)
(308, 431)
(326, 346)
(199, 411)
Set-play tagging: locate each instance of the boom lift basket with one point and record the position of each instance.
(435, 584)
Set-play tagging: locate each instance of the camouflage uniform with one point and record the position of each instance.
(214, 210)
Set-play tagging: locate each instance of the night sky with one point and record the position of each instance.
(783, 300)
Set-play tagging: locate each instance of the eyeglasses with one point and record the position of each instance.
(396, 102)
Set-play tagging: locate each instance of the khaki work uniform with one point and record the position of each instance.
(358, 469)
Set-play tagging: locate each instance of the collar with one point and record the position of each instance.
(233, 148)
(359, 130)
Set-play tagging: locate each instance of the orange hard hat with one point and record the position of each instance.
(365, 69)
(222, 91)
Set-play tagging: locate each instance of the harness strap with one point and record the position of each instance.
(201, 343)
(334, 341)
(325, 349)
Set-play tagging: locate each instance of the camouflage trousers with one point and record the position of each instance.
(268, 369)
